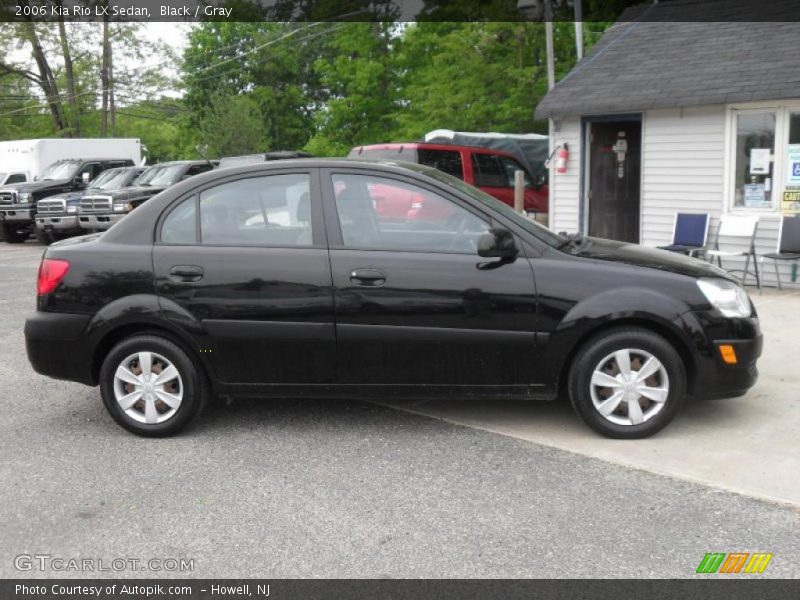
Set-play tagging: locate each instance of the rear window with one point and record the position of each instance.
(447, 161)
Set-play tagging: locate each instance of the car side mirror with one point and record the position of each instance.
(497, 243)
(86, 177)
(540, 180)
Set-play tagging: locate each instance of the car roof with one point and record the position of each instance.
(124, 168)
(172, 163)
(93, 158)
(431, 146)
(330, 162)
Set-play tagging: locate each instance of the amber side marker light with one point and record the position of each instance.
(728, 354)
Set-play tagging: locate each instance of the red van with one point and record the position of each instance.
(489, 170)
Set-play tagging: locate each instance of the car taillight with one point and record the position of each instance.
(51, 272)
(417, 205)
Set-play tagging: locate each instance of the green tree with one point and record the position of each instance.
(271, 62)
(362, 80)
(233, 126)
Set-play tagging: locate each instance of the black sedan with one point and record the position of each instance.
(287, 279)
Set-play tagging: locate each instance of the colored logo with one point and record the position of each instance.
(796, 169)
(734, 562)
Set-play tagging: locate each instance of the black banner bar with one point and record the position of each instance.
(397, 10)
(733, 588)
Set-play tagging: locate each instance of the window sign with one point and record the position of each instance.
(793, 165)
(755, 195)
(791, 193)
(759, 161)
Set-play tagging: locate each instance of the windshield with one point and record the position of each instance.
(537, 229)
(160, 175)
(111, 180)
(60, 170)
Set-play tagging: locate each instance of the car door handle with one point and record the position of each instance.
(186, 273)
(367, 277)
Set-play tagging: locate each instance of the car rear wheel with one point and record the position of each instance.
(43, 237)
(151, 387)
(13, 234)
(627, 383)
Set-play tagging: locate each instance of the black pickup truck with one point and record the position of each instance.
(99, 211)
(18, 201)
(57, 216)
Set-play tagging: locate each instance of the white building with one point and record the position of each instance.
(666, 117)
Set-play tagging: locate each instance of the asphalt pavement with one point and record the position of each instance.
(339, 489)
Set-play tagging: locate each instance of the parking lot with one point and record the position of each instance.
(352, 489)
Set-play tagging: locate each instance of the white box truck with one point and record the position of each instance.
(55, 166)
(31, 157)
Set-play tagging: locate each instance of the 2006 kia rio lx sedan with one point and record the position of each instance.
(283, 279)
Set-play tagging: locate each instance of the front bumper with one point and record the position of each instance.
(17, 214)
(57, 346)
(58, 222)
(712, 377)
(88, 221)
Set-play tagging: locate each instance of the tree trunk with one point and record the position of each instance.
(104, 79)
(46, 80)
(111, 103)
(70, 74)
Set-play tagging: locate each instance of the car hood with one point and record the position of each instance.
(35, 186)
(137, 191)
(653, 258)
(70, 197)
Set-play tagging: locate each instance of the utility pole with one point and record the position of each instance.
(548, 32)
(579, 29)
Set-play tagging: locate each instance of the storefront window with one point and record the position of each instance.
(755, 149)
(791, 194)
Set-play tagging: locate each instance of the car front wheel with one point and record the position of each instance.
(151, 387)
(627, 383)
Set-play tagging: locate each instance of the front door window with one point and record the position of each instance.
(387, 214)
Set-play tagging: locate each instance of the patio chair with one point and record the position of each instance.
(788, 244)
(744, 228)
(689, 234)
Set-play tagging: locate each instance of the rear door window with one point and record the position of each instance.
(258, 211)
(447, 161)
(511, 166)
(488, 172)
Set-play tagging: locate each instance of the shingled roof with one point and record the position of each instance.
(647, 63)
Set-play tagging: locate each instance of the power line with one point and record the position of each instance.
(191, 79)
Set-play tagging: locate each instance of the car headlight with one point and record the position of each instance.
(730, 299)
(120, 207)
(25, 197)
(72, 209)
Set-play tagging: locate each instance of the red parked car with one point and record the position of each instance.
(489, 170)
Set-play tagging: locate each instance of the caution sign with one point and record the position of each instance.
(791, 201)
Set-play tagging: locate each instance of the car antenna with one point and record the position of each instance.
(201, 150)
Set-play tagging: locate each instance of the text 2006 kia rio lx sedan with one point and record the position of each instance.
(283, 279)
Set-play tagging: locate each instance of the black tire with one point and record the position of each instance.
(13, 235)
(195, 386)
(601, 346)
(43, 237)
